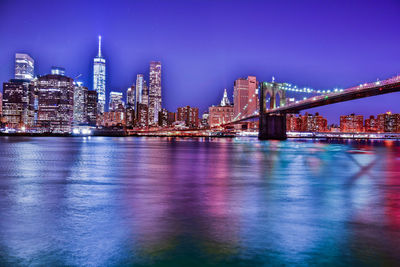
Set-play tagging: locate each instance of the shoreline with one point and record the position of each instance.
(313, 137)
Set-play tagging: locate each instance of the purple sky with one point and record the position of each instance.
(205, 45)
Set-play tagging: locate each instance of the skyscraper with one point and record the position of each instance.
(99, 79)
(80, 103)
(245, 96)
(57, 70)
(116, 102)
(91, 107)
(130, 96)
(154, 92)
(24, 67)
(139, 90)
(56, 103)
(18, 98)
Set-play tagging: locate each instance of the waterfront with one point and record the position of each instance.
(112, 201)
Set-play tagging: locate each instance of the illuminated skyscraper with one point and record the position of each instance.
(139, 90)
(116, 102)
(154, 92)
(56, 103)
(80, 103)
(245, 97)
(24, 67)
(130, 97)
(57, 70)
(18, 98)
(91, 107)
(99, 79)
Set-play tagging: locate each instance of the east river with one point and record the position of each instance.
(122, 201)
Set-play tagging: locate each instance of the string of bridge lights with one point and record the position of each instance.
(294, 88)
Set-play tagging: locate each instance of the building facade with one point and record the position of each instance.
(352, 123)
(388, 122)
(221, 114)
(56, 103)
(142, 120)
(91, 107)
(188, 115)
(99, 79)
(80, 104)
(116, 102)
(245, 97)
(154, 92)
(18, 104)
(24, 67)
(306, 123)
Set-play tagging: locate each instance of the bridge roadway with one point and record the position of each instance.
(364, 90)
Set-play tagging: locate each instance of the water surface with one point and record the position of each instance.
(104, 201)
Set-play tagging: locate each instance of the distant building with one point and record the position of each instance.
(223, 113)
(204, 120)
(18, 104)
(189, 115)
(154, 92)
(371, 124)
(1, 105)
(24, 67)
(171, 118)
(116, 102)
(130, 116)
(80, 103)
(352, 123)
(130, 97)
(142, 116)
(163, 118)
(56, 103)
(91, 107)
(293, 123)
(57, 70)
(112, 118)
(388, 122)
(306, 123)
(245, 97)
(139, 89)
(99, 79)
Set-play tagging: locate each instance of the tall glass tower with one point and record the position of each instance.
(154, 92)
(99, 79)
(24, 67)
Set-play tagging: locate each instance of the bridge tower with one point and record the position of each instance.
(271, 125)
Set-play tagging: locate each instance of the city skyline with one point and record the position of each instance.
(309, 62)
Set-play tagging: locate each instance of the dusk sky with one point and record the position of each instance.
(205, 45)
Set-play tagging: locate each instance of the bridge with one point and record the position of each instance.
(272, 120)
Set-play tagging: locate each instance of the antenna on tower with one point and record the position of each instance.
(99, 46)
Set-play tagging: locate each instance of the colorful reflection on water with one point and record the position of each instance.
(198, 202)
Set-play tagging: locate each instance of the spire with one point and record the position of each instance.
(225, 100)
(99, 55)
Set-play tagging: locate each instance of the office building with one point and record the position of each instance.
(163, 118)
(223, 113)
(142, 116)
(188, 115)
(24, 67)
(130, 97)
(57, 70)
(154, 92)
(80, 103)
(245, 97)
(18, 104)
(116, 102)
(91, 107)
(56, 103)
(99, 79)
